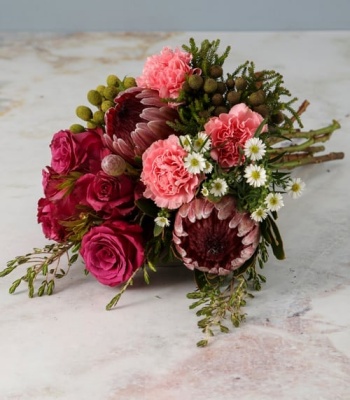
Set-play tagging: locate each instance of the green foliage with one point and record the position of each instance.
(44, 262)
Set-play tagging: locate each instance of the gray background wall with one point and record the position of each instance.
(174, 15)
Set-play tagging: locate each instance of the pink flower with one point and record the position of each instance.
(229, 133)
(109, 194)
(113, 251)
(138, 119)
(77, 151)
(166, 72)
(214, 237)
(168, 183)
(47, 217)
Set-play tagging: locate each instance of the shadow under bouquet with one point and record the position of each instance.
(186, 163)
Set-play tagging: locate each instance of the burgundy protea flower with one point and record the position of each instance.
(138, 119)
(214, 237)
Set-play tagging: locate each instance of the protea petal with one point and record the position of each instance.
(214, 237)
(138, 119)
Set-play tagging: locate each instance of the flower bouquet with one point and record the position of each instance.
(182, 163)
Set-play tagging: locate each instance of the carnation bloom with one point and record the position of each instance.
(214, 237)
(166, 72)
(229, 133)
(168, 182)
(138, 119)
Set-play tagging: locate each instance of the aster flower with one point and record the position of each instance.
(255, 175)
(162, 221)
(218, 187)
(186, 142)
(205, 191)
(138, 119)
(254, 149)
(274, 201)
(208, 167)
(259, 214)
(295, 187)
(214, 237)
(194, 163)
(202, 143)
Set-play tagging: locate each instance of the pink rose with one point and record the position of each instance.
(47, 217)
(166, 72)
(113, 251)
(229, 133)
(77, 151)
(168, 183)
(112, 195)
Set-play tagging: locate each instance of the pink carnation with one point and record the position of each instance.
(229, 133)
(168, 183)
(166, 72)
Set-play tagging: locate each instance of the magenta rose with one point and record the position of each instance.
(77, 151)
(113, 251)
(168, 183)
(48, 218)
(229, 133)
(166, 72)
(110, 194)
(214, 237)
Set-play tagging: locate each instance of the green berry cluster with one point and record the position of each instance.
(103, 99)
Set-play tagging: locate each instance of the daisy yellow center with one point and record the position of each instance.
(254, 149)
(256, 175)
(194, 162)
(273, 201)
(295, 187)
(218, 185)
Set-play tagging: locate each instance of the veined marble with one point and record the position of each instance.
(295, 344)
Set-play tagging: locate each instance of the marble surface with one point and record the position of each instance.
(295, 343)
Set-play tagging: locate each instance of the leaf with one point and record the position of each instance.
(157, 230)
(275, 238)
(202, 343)
(147, 207)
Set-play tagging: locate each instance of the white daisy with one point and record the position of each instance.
(218, 187)
(205, 191)
(194, 163)
(254, 149)
(255, 175)
(202, 143)
(274, 201)
(162, 221)
(186, 142)
(295, 187)
(208, 167)
(259, 214)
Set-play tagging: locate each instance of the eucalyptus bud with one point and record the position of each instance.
(240, 83)
(220, 110)
(217, 99)
(215, 71)
(230, 83)
(210, 85)
(110, 92)
(195, 82)
(278, 118)
(221, 87)
(100, 89)
(262, 109)
(99, 117)
(91, 125)
(76, 128)
(233, 97)
(94, 97)
(257, 98)
(106, 105)
(113, 165)
(113, 80)
(129, 82)
(84, 113)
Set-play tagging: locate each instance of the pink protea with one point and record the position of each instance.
(138, 119)
(214, 237)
